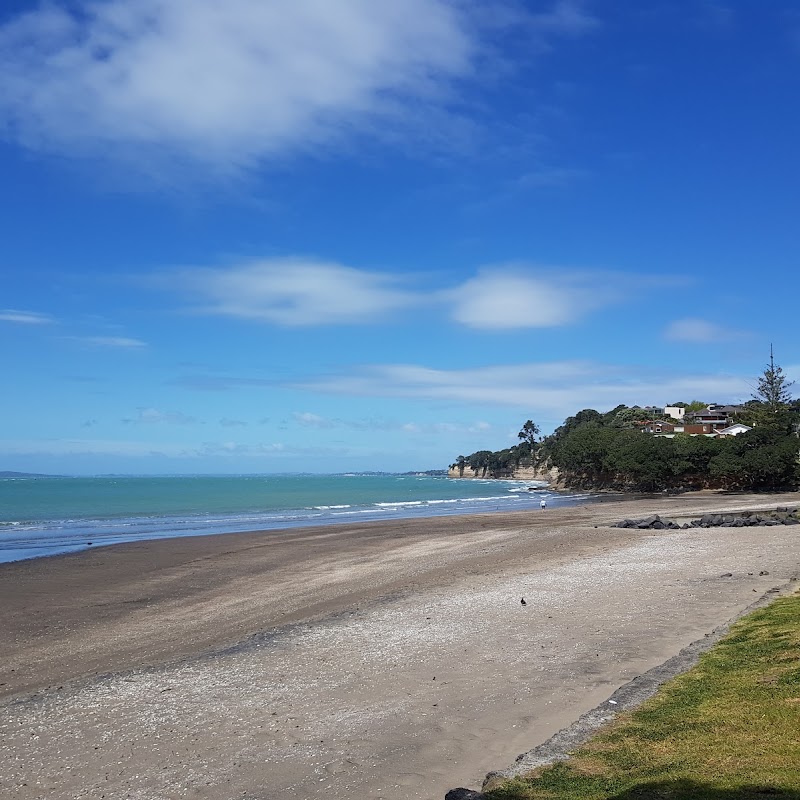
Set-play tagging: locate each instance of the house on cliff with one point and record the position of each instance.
(658, 427)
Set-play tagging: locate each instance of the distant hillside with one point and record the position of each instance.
(7, 474)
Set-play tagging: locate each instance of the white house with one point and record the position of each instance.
(676, 412)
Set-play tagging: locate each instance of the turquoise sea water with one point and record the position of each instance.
(46, 516)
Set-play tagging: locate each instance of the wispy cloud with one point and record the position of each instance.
(122, 342)
(121, 77)
(25, 317)
(549, 177)
(232, 423)
(565, 18)
(152, 416)
(275, 76)
(149, 449)
(309, 420)
(553, 389)
(701, 331)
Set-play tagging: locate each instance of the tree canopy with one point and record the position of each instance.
(607, 450)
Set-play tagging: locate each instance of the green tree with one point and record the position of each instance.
(581, 454)
(529, 435)
(628, 417)
(692, 455)
(695, 405)
(763, 458)
(640, 461)
(480, 461)
(773, 387)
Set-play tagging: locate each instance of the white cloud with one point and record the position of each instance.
(553, 390)
(122, 342)
(444, 428)
(25, 317)
(298, 292)
(305, 292)
(90, 447)
(566, 18)
(152, 416)
(310, 420)
(506, 298)
(232, 423)
(225, 84)
(145, 449)
(228, 85)
(700, 331)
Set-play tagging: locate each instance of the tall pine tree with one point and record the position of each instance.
(773, 387)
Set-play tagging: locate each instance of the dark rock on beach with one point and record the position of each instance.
(653, 522)
(782, 515)
(464, 794)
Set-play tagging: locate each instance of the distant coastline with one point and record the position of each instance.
(10, 474)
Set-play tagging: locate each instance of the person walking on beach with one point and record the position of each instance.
(543, 503)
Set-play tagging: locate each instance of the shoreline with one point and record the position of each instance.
(91, 526)
(399, 644)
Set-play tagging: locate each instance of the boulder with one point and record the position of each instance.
(464, 794)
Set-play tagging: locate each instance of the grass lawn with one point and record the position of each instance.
(729, 729)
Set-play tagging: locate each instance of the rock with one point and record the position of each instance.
(464, 794)
(726, 575)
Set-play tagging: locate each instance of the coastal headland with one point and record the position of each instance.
(381, 660)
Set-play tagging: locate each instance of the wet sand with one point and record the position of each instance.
(390, 659)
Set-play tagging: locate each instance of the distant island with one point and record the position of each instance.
(430, 473)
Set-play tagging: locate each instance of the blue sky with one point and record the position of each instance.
(262, 236)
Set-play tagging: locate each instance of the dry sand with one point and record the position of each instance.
(388, 660)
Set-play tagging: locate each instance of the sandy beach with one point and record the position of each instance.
(385, 660)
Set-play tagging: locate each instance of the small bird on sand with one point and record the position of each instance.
(523, 602)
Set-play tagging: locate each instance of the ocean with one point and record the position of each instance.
(42, 516)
